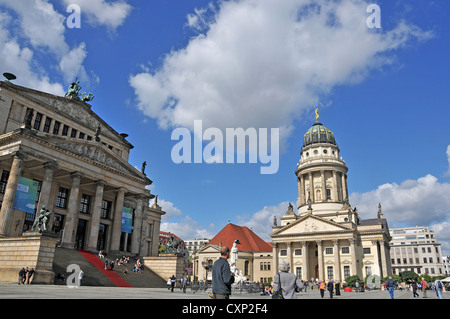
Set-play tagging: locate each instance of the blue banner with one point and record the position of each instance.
(26, 195)
(127, 220)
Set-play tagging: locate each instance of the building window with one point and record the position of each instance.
(81, 136)
(330, 272)
(65, 130)
(346, 250)
(298, 252)
(85, 203)
(73, 133)
(368, 270)
(398, 261)
(393, 261)
(283, 252)
(329, 251)
(37, 121)
(4, 181)
(106, 209)
(61, 200)
(48, 122)
(328, 193)
(298, 272)
(366, 250)
(246, 264)
(346, 271)
(56, 127)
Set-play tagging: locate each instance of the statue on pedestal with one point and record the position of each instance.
(41, 220)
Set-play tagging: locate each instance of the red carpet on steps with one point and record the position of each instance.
(100, 265)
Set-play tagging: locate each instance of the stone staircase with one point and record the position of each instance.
(94, 277)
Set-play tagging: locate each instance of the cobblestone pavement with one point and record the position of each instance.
(14, 291)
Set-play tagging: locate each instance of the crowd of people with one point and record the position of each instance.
(25, 276)
(121, 262)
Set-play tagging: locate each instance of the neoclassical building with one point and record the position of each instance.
(325, 238)
(79, 167)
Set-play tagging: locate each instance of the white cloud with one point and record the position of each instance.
(100, 12)
(34, 26)
(261, 222)
(443, 236)
(183, 226)
(262, 63)
(414, 202)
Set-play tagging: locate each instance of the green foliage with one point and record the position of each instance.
(427, 278)
(408, 276)
(352, 280)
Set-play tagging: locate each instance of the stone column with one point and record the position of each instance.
(335, 187)
(344, 187)
(353, 253)
(137, 225)
(324, 186)
(155, 238)
(95, 219)
(384, 264)
(117, 222)
(275, 258)
(311, 188)
(376, 264)
(289, 255)
(46, 187)
(6, 212)
(300, 190)
(320, 262)
(305, 253)
(337, 261)
(70, 224)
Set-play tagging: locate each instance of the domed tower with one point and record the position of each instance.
(322, 175)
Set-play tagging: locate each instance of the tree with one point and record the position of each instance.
(408, 276)
(352, 280)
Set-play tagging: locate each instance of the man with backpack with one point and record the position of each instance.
(438, 287)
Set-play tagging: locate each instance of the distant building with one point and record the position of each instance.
(254, 254)
(446, 261)
(193, 245)
(416, 249)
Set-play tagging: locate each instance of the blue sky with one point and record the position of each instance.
(257, 64)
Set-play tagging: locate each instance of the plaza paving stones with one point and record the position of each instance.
(14, 291)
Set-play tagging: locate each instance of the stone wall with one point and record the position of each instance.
(32, 250)
(165, 266)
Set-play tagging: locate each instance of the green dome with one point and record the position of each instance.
(318, 133)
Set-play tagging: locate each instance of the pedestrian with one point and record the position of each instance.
(438, 287)
(169, 283)
(414, 288)
(184, 284)
(21, 274)
(106, 264)
(330, 287)
(24, 279)
(337, 287)
(357, 286)
(172, 282)
(322, 288)
(390, 286)
(287, 282)
(222, 278)
(80, 277)
(424, 285)
(29, 275)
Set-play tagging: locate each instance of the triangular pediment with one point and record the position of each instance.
(310, 224)
(209, 249)
(95, 152)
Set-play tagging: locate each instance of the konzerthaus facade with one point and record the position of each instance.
(326, 239)
(80, 166)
